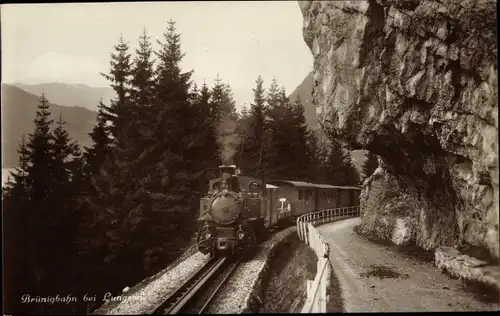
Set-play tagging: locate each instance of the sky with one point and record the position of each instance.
(71, 43)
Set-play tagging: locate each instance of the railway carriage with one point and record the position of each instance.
(327, 196)
(308, 197)
(302, 195)
(348, 196)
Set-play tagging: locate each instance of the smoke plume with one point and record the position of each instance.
(228, 140)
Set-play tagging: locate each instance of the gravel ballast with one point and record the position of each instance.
(243, 291)
(149, 297)
(290, 268)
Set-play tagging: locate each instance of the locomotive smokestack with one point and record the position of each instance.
(227, 171)
(228, 175)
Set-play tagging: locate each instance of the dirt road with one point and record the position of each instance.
(374, 278)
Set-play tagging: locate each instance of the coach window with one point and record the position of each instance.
(300, 194)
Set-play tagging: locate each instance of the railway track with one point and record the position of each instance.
(195, 295)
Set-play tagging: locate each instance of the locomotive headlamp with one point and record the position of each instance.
(240, 233)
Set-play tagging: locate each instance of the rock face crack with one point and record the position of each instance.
(416, 83)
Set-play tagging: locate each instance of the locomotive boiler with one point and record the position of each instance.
(232, 214)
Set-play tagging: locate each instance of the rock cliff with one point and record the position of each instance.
(415, 82)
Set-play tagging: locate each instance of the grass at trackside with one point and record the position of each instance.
(285, 288)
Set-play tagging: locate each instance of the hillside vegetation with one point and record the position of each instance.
(18, 112)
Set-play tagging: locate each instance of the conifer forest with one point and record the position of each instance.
(95, 219)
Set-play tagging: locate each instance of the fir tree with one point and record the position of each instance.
(101, 143)
(316, 156)
(339, 167)
(254, 137)
(63, 151)
(370, 164)
(207, 136)
(40, 176)
(274, 97)
(38, 221)
(64, 216)
(334, 165)
(219, 104)
(242, 128)
(16, 188)
(280, 119)
(142, 73)
(119, 77)
(299, 148)
(142, 92)
(225, 122)
(229, 103)
(244, 112)
(172, 84)
(288, 154)
(177, 169)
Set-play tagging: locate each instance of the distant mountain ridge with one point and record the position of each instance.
(78, 104)
(18, 112)
(304, 90)
(70, 94)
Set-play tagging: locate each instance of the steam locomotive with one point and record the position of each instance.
(238, 210)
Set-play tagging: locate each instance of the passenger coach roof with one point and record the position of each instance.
(296, 183)
(329, 186)
(302, 184)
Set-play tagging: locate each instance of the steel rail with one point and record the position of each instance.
(179, 297)
(222, 282)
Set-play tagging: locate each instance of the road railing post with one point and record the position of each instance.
(299, 231)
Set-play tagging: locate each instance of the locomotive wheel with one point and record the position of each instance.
(262, 233)
(247, 252)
